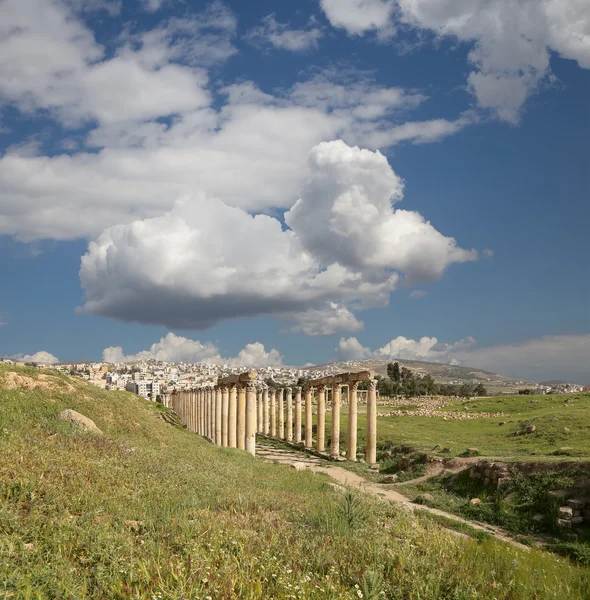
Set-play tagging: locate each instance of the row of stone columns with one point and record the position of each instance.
(231, 413)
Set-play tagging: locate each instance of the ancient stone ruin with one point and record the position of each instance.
(231, 413)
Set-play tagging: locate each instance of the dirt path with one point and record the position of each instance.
(342, 476)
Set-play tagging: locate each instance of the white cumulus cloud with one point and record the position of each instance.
(565, 357)
(42, 357)
(148, 123)
(357, 17)
(175, 349)
(204, 261)
(511, 40)
(283, 37)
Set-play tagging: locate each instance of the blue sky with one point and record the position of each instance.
(260, 181)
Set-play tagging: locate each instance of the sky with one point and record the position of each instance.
(256, 182)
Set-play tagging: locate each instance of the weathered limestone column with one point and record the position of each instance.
(289, 402)
(352, 420)
(218, 419)
(212, 414)
(251, 418)
(201, 413)
(259, 411)
(265, 412)
(233, 416)
(321, 436)
(273, 413)
(371, 456)
(297, 437)
(206, 413)
(241, 418)
(224, 416)
(195, 410)
(308, 418)
(281, 409)
(336, 398)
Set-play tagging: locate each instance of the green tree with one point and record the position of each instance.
(480, 390)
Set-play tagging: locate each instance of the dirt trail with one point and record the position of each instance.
(301, 461)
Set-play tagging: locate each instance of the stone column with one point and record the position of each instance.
(218, 415)
(194, 403)
(297, 437)
(259, 411)
(352, 420)
(336, 397)
(224, 416)
(273, 413)
(289, 423)
(206, 422)
(201, 413)
(233, 416)
(251, 418)
(241, 418)
(371, 456)
(281, 410)
(207, 417)
(308, 418)
(212, 414)
(265, 412)
(321, 436)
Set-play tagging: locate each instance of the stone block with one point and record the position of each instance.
(576, 504)
(565, 512)
(577, 520)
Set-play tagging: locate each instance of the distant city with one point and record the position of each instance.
(151, 378)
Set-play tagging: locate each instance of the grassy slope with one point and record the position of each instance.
(562, 421)
(152, 511)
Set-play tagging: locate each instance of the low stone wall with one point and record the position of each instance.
(445, 415)
(574, 503)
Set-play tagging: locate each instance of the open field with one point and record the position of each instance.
(150, 510)
(562, 424)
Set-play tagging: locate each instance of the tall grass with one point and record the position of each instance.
(149, 510)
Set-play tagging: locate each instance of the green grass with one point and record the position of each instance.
(562, 428)
(150, 510)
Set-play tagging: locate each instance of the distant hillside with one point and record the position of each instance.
(440, 372)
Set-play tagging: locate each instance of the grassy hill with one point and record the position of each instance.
(150, 510)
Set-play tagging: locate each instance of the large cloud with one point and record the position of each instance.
(205, 261)
(511, 40)
(148, 124)
(175, 349)
(565, 357)
(42, 357)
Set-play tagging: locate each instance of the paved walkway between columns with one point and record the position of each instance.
(272, 452)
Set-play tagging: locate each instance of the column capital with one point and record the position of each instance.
(288, 389)
(373, 384)
(251, 386)
(354, 386)
(298, 389)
